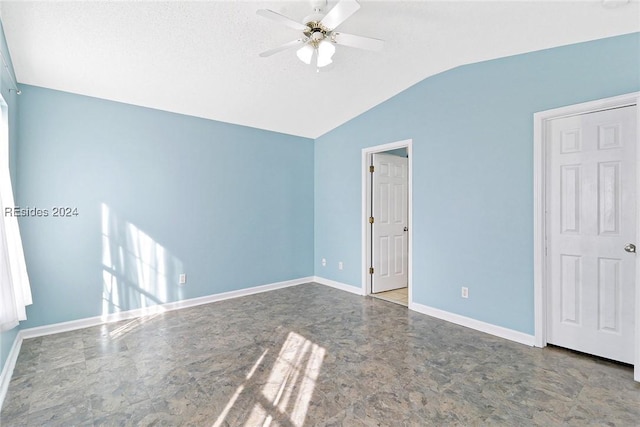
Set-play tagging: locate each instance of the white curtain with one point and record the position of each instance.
(15, 292)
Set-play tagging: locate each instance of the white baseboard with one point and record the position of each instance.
(338, 285)
(9, 365)
(477, 325)
(499, 331)
(161, 308)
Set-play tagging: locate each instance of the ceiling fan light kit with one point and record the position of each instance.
(317, 44)
(305, 53)
(325, 52)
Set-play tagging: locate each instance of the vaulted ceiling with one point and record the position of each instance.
(201, 58)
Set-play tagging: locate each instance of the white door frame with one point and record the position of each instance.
(540, 158)
(366, 154)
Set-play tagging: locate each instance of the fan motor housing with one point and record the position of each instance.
(316, 30)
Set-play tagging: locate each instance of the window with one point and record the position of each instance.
(15, 292)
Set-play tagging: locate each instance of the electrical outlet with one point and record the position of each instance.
(340, 265)
(324, 262)
(182, 279)
(465, 292)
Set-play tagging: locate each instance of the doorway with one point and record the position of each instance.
(586, 229)
(386, 208)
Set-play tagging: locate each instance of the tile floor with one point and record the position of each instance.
(308, 355)
(399, 296)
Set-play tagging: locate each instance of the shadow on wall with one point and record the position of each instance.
(137, 272)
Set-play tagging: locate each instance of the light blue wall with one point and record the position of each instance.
(7, 338)
(230, 206)
(472, 131)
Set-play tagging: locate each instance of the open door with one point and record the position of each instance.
(389, 222)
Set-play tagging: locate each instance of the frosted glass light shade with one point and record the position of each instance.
(325, 52)
(305, 53)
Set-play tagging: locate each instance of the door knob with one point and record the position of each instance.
(630, 248)
(406, 229)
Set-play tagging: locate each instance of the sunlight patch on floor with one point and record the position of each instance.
(288, 389)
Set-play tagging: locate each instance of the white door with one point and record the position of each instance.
(390, 243)
(591, 218)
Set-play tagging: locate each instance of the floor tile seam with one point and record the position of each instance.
(583, 397)
(189, 380)
(366, 355)
(558, 394)
(42, 388)
(205, 385)
(101, 341)
(594, 378)
(46, 367)
(115, 374)
(318, 323)
(463, 376)
(567, 416)
(96, 390)
(533, 405)
(227, 372)
(460, 383)
(130, 401)
(53, 365)
(364, 402)
(351, 402)
(20, 375)
(64, 417)
(85, 399)
(55, 388)
(17, 414)
(577, 393)
(112, 360)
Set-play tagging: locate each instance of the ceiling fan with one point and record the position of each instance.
(319, 36)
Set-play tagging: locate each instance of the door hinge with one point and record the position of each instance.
(370, 270)
(371, 168)
(370, 220)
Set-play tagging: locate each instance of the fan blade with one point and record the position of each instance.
(340, 13)
(275, 16)
(357, 41)
(285, 46)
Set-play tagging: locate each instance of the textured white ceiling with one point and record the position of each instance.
(201, 58)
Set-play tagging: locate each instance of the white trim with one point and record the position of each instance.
(131, 314)
(366, 152)
(636, 368)
(338, 285)
(539, 229)
(540, 120)
(9, 366)
(488, 328)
